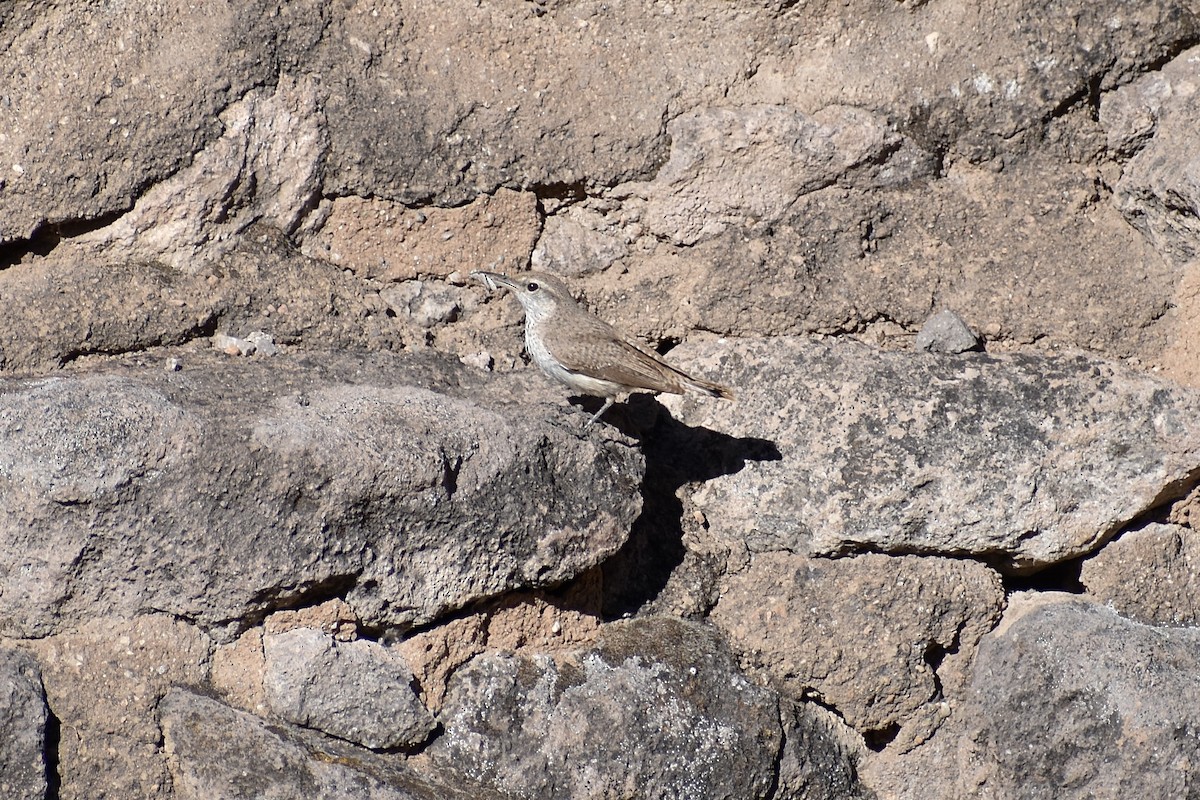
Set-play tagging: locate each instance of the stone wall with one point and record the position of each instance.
(286, 512)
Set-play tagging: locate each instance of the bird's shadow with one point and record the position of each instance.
(676, 454)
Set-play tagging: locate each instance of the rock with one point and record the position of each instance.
(377, 238)
(818, 758)
(357, 691)
(103, 682)
(1158, 192)
(412, 485)
(655, 709)
(217, 753)
(232, 345)
(426, 303)
(946, 332)
(737, 166)
(482, 360)
(1180, 359)
(263, 343)
(883, 450)
(527, 117)
(61, 308)
(1149, 575)
(154, 90)
(1070, 699)
(265, 167)
(802, 622)
(973, 85)
(23, 766)
(76, 303)
(578, 241)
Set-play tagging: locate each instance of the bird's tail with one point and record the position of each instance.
(698, 386)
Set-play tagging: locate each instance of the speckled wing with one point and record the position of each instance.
(600, 351)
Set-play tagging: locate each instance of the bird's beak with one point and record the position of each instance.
(492, 280)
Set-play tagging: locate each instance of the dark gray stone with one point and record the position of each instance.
(357, 691)
(656, 709)
(1071, 700)
(23, 716)
(238, 486)
(818, 759)
(217, 753)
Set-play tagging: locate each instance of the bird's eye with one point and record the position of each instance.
(532, 286)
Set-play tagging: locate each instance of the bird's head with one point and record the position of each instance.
(540, 294)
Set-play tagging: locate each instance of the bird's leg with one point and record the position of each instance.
(608, 401)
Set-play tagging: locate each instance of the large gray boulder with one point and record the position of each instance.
(233, 487)
(1022, 459)
(656, 709)
(218, 753)
(1071, 700)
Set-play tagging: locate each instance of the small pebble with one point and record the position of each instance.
(232, 345)
(945, 332)
(481, 360)
(173, 365)
(263, 343)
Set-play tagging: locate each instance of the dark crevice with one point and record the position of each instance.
(1093, 98)
(53, 745)
(50, 235)
(877, 740)
(1062, 577)
(666, 345)
(573, 192)
(935, 654)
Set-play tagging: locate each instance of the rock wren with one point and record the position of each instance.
(577, 348)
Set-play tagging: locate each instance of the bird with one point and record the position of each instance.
(577, 348)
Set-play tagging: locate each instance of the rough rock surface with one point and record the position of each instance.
(225, 490)
(369, 236)
(883, 450)
(796, 619)
(1154, 118)
(650, 692)
(218, 753)
(733, 167)
(1106, 707)
(246, 387)
(356, 691)
(22, 727)
(1149, 575)
(103, 682)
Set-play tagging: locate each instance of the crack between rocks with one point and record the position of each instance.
(49, 235)
(50, 753)
(204, 329)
